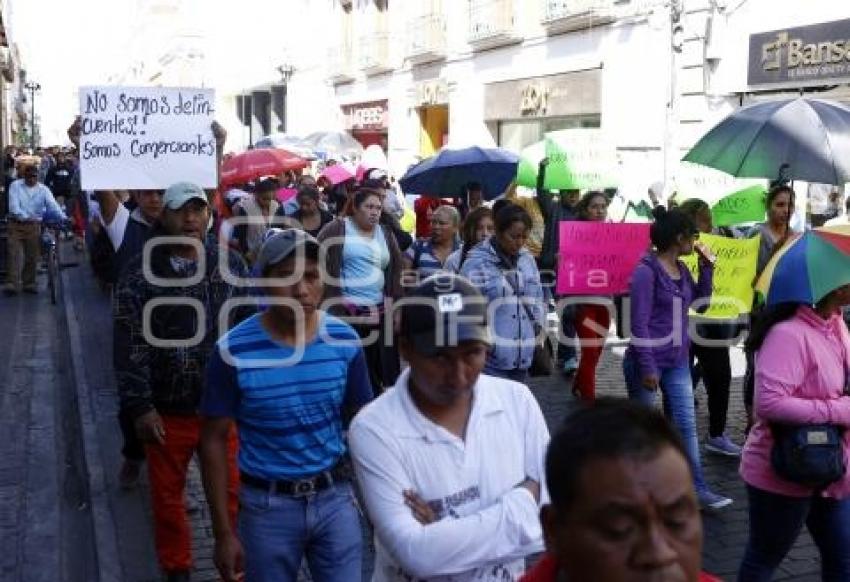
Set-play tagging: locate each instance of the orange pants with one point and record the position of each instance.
(585, 383)
(167, 468)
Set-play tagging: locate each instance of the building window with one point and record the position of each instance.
(518, 134)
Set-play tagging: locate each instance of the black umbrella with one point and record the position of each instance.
(809, 139)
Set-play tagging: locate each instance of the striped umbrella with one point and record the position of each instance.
(808, 268)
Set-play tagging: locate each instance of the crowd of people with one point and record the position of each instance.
(317, 358)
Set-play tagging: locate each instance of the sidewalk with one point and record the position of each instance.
(129, 517)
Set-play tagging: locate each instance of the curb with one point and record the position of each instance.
(106, 545)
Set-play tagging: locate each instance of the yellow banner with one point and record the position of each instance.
(734, 271)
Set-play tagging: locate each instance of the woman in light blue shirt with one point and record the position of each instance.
(363, 266)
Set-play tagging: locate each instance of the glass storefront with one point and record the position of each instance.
(517, 134)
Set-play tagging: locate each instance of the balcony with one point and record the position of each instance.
(570, 15)
(426, 39)
(491, 24)
(375, 53)
(340, 68)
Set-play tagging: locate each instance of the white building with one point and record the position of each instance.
(413, 75)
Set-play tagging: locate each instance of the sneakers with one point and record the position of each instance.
(570, 366)
(128, 477)
(713, 501)
(722, 445)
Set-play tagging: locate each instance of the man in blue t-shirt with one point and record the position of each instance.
(291, 377)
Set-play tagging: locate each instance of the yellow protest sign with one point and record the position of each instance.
(734, 271)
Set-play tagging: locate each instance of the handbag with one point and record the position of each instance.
(810, 455)
(541, 359)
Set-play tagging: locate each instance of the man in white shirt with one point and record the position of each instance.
(29, 202)
(450, 461)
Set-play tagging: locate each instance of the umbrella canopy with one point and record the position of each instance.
(334, 144)
(447, 173)
(811, 137)
(578, 159)
(336, 174)
(747, 205)
(285, 141)
(253, 164)
(807, 269)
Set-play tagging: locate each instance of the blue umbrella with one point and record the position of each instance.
(448, 173)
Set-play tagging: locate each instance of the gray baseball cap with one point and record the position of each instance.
(180, 193)
(281, 244)
(442, 311)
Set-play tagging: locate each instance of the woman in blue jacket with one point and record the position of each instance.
(658, 356)
(505, 272)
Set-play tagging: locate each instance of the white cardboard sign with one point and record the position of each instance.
(146, 138)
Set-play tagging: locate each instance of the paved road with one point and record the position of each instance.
(129, 512)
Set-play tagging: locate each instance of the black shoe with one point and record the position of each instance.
(177, 576)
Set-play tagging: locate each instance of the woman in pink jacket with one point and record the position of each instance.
(802, 363)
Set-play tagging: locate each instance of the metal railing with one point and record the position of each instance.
(426, 36)
(374, 51)
(558, 9)
(488, 18)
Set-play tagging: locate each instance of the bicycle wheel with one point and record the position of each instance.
(52, 273)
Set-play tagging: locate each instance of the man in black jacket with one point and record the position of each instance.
(554, 211)
(166, 324)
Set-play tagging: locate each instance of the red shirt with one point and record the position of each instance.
(546, 570)
(423, 208)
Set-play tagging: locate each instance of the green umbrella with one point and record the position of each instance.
(745, 205)
(578, 159)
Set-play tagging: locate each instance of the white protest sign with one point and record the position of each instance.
(146, 138)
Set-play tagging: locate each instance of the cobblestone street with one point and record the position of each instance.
(129, 511)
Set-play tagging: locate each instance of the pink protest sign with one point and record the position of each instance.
(598, 258)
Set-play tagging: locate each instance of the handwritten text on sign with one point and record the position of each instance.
(146, 137)
(734, 271)
(598, 258)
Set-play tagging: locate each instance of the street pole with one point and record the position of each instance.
(33, 87)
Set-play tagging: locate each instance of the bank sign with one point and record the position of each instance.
(806, 55)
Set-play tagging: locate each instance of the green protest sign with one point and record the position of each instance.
(745, 205)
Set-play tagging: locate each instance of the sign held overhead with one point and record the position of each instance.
(146, 138)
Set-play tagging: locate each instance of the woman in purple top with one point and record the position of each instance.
(657, 359)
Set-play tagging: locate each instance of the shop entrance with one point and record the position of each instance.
(434, 124)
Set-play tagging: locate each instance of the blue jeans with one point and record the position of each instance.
(277, 531)
(517, 375)
(775, 524)
(567, 344)
(678, 401)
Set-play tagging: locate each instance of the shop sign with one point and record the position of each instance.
(805, 55)
(534, 99)
(574, 93)
(366, 116)
(434, 92)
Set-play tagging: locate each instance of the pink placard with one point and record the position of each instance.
(598, 258)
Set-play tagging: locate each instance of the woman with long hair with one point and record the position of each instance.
(801, 378)
(477, 227)
(657, 359)
(709, 360)
(592, 320)
(363, 267)
(507, 275)
(774, 232)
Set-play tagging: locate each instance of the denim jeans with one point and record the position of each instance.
(517, 374)
(678, 400)
(775, 524)
(567, 343)
(277, 531)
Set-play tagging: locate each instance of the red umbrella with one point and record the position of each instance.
(253, 164)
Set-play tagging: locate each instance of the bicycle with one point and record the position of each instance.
(50, 254)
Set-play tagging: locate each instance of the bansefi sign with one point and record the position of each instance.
(801, 56)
